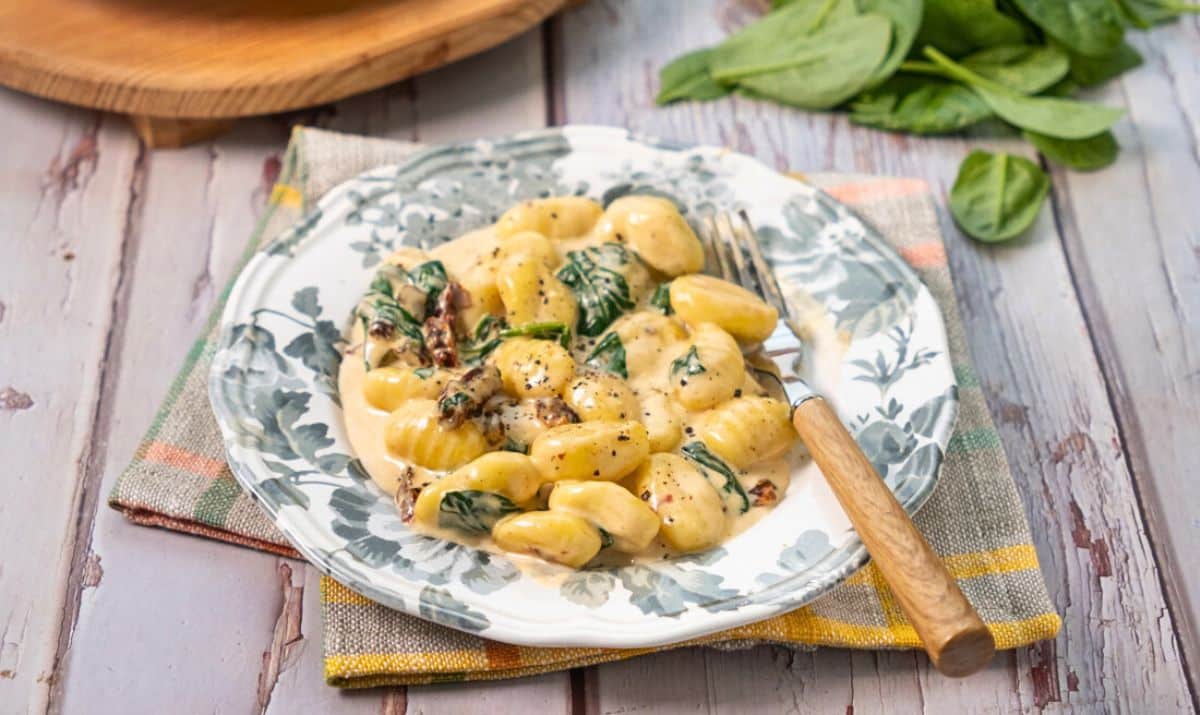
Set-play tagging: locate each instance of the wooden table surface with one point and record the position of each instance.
(1086, 336)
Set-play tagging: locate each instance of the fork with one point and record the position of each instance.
(954, 636)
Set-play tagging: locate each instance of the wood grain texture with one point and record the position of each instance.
(1134, 247)
(65, 200)
(953, 634)
(1033, 352)
(235, 58)
(159, 628)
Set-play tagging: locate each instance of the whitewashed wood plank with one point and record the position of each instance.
(1033, 354)
(1132, 239)
(175, 619)
(262, 652)
(60, 268)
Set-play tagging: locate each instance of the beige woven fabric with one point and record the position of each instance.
(179, 480)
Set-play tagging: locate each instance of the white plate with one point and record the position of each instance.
(273, 387)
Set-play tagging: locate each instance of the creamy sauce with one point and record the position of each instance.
(478, 251)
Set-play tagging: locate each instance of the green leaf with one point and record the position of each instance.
(699, 453)
(1146, 13)
(431, 278)
(817, 71)
(609, 355)
(1062, 118)
(689, 364)
(606, 539)
(595, 275)
(424, 372)
(905, 16)
(1028, 69)
(558, 332)
(1080, 154)
(447, 404)
(662, 298)
(687, 77)
(473, 511)
(485, 338)
(1093, 71)
(1089, 27)
(958, 27)
(997, 196)
(921, 105)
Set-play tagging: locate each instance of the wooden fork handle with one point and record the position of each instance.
(955, 638)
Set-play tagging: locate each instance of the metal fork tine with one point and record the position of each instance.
(768, 286)
(712, 237)
(739, 258)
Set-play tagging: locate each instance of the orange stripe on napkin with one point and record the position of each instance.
(925, 255)
(180, 458)
(860, 192)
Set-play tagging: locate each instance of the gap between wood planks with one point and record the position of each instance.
(83, 572)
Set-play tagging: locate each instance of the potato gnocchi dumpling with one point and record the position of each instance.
(656, 231)
(604, 451)
(704, 299)
(566, 383)
(414, 433)
(747, 430)
(708, 370)
(533, 368)
(691, 512)
(601, 397)
(556, 217)
(551, 535)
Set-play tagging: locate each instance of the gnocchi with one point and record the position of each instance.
(565, 384)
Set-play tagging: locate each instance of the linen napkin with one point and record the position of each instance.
(179, 480)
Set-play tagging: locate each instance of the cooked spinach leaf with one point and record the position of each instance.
(558, 332)
(431, 278)
(997, 196)
(596, 278)
(606, 539)
(473, 511)
(486, 337)
(688, 364)
(662, 298)
(699, 453)
(609, 355)
(424, 372)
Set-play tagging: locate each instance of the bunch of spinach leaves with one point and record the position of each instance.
(939, 66)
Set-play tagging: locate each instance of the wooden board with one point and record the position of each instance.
(115, 254)
(205, 60)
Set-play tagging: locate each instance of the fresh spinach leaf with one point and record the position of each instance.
(662, 298)
(699, 453)
(997, 196)
(596, 278)
(609, 355)
(1146, 13)
(473, 511)
(905, 16)
(1093, 71)
(816, 71)
(921, 105)
(1089, 27)
(958, 27)
(687, 77)
(688, 364)
(1080, 154)
(1062, 118)
(1028, 69)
